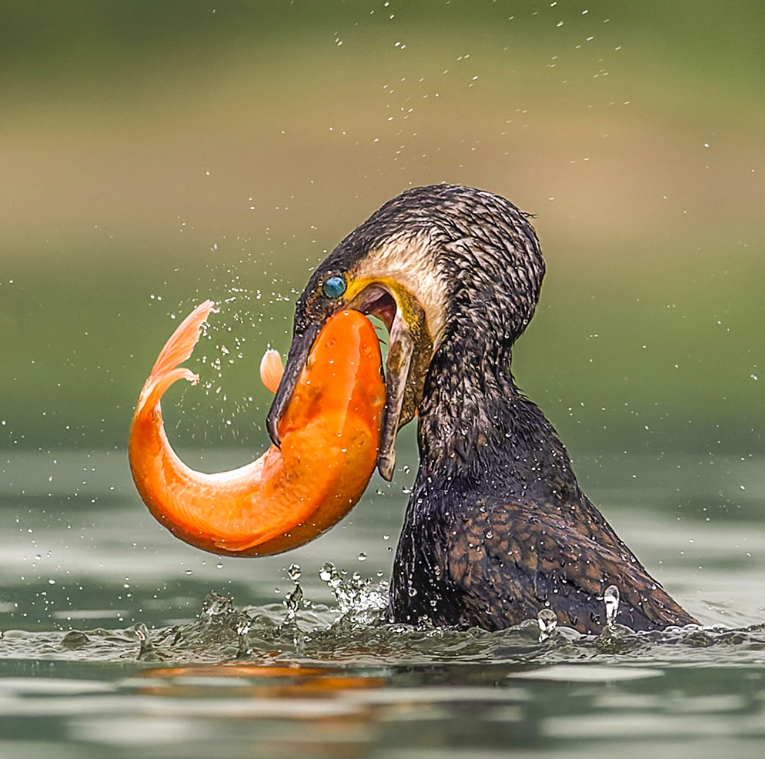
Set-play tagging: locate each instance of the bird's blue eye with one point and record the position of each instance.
(334, 287)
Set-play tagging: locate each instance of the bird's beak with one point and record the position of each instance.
(296, 361)
(409, 353)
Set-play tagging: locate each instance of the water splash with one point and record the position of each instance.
(547, 623)
(355, 631)
(615, 639)
(216, 607)
(147, 651)
(243, 627)
(329, 574)
(293, 602)
(295, 598)
(611, 600)
(227, 347)
(360, 600)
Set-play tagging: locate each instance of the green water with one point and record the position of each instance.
(83, 563)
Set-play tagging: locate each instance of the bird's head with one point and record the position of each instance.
(436, 265)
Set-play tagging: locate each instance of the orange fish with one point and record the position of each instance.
(292, 494)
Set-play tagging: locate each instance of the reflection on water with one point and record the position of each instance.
(110, 648)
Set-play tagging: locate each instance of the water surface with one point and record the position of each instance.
(109, 647)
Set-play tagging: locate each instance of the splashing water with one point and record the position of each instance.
(611, 600)
(359, 599)
(146, 651)
(294, 599)
(215, 606)
(547, 624)
(615, 639)
(293, 602)
(243, 627)
(229, 344)
(357, 632)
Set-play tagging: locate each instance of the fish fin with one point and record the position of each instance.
(180, 346)
(271, 369)
(177, 349)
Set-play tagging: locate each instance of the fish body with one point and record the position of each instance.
(291, 494)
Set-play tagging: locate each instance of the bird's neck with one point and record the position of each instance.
(476, 430)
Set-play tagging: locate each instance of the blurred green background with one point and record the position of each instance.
(153, 154)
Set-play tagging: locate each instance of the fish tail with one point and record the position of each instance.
(179, 347)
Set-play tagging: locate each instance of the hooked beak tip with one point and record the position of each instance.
(272, 426)
(386, 465)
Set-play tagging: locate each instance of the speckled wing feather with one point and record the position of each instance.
(510, 560)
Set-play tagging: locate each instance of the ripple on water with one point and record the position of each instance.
(300, 679)
(356, 633)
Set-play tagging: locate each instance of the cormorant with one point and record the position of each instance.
(496, 527)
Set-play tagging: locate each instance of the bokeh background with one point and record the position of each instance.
(153, 154)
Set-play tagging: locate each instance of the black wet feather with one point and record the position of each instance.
(497, 527)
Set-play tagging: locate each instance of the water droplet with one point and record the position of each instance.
(294, 599)
(611, 600)
(189, 572)
(412, 592)
(547, 623)
(219, 566)
(243, 624)
(216, 605)
(328, 572)
(362, 556)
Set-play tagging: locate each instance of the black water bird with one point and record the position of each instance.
(497, 527)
